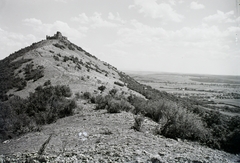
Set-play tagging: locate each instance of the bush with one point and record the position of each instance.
(102, 88)
(59, 46)
(174, 121)
(113, 91)
(77, 95)
(114, 106)
(153, 109)
(33, 73)
(56, 58)
(102, 102)
(178, 122)
(119, 83)
(65, 59)
(232, 142)
(47, 104)
(70, 47)
(93, 100)
(138, 122)
(87, 95)
(47, 83)
(63, 90)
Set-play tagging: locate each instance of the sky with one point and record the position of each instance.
(184, 36)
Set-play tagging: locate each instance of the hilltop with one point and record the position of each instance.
(60, 103)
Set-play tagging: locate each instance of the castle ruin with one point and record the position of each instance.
(58, 36)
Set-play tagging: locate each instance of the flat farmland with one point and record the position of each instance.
(217, 92)
(233, 102)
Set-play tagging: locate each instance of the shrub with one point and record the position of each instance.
(153, 109)
(70, 47)
(138, 122)
(93, 100)
(65, 59)
(174, 121)
(56, 58)
(114, 106)
(177, 122)
(77, 95)
(102, 88)
(45, 105)
(33, 73)
(125, 106)
(63, 90)
(113, 91)
(47, 83)
(19, 83)
(119, 83)
(87, 95)
(102, 102)
(232, 142)
(59, 46)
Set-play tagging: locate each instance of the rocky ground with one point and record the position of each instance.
(97, 136)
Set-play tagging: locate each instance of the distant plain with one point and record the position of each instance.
(218, 92)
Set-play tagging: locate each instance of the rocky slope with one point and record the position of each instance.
(97, 136)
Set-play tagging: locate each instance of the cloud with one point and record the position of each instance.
(117, 18)
(44, 28)
(82, 18)
(32, 21)
(156, 10)
(172, 2)
(196, 6)
(13, 42)
(203, 41)
(96, 20)
(234, 29)
(63, 1)
(159, 48)
(221, 17)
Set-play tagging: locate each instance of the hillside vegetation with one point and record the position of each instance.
(47, 104)
(182, 118)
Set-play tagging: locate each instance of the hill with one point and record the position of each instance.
(60, 103)
(58, 60)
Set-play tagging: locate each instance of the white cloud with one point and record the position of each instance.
(117, 18)
(82, 18)
(162, 49)
(172, 2)
(203, 41)
(221, 17)
(95, 21)
(196, 6)
(13, 42)
(33, 21)
(43, 28)
(180, 1)
(155, 10)
(63, 1)
(234, 29)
